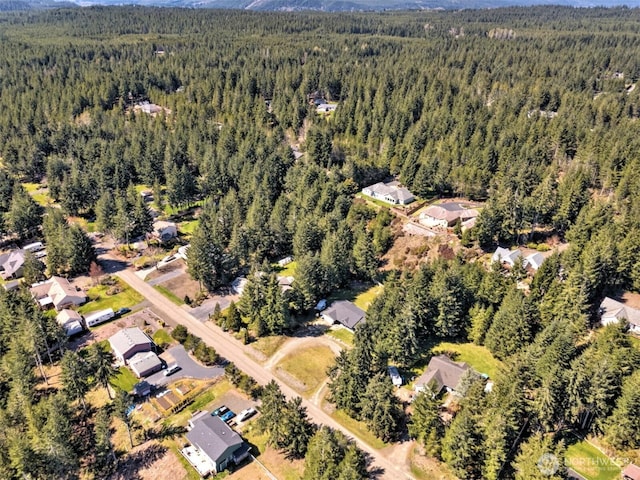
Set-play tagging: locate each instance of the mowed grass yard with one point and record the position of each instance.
(99, 300)
(590, 462)
(475, 355)
(361, 295)
(309, 366)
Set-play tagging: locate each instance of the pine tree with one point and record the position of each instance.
(379, 408)
(511, 326)
(75, 373)
(24, 215)
(539, 459)
(101, 364)
(274, 313)
(80, 251)
(426, 425)
(623, 426)
(32, 269)
(462, 447)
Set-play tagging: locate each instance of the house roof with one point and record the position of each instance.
(443, 371)
(346, 313)
(143, 362)
(391, 189)
(67, 315)
(128, 338)
(450, 211)
(610, 308)
(11, 262)
(505, 255)
(631, 471)
(534, 260)
(213, 437)
(57, 289)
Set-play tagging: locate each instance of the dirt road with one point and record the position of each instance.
(233, 350)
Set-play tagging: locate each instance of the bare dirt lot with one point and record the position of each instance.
(182, 285)
(150, 461)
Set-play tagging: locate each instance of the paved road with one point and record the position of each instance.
(189, 368)
(233, 350)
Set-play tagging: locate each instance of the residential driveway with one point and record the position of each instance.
(190, 368)
(209, 305)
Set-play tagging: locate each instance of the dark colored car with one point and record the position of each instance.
(123, 311)
(227, 416)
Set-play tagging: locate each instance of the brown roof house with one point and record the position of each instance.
(446, 215)
(57, 292)
(214, 446)
(612, 311)
(129, 341)
(345, 313)
(631, 472)
(441, 373)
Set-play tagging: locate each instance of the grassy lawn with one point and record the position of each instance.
(276, 462)
(187, 228)
(590, 462)
(269, 345)
(99, 299)
(428, 468)
(309, 365)
(342, 334)
(124, 380)
(475, 355)
(374, 201)
(40, 197)
(635, 341)
(162, 337)
(203, 401)
(358, 428)
(361, 295)
(288, 270)
(169, 294)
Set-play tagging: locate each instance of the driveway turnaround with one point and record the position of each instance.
(189, 368)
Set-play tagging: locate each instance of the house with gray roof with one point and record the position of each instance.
(504, 255)
(143, 364)
(11, 264)
(345, 313)
(391, 192)
(446, 215)
(441, 373)
(129, 341)
(612, 311)
(214, 445)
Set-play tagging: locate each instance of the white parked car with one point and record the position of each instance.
(246, 414)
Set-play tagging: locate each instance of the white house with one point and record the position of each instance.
(57, 291)
(70, 321)
(535, 260)
(164, 231)
(129, 341)
(503, 255)
(612, 311)
(391, 192)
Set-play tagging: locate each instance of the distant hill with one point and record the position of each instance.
(317, 5)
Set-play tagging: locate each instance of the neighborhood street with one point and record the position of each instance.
(233, 350)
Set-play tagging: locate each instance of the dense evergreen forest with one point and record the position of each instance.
(533, 110)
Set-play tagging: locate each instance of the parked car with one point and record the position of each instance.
(172, 369)
(322, 304)
(246, 414)
(122, 311)
(220, 411)
(227, 416)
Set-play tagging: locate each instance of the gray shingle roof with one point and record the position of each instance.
(213, 437)
(346, 313)
(444, 372)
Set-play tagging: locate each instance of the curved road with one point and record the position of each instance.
(233, 350)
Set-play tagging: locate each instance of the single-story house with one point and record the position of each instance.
(391, 192)
(129, 341)
(631, 472)
(441, 373)
(57, 291)
(144, 364)
(11, 264)
(612, 311)
(285, 283)
(504, 255)
(345, 313)
(70, 321)
(446, 215)
(164, 231)
(214, 446)
(534, 261)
